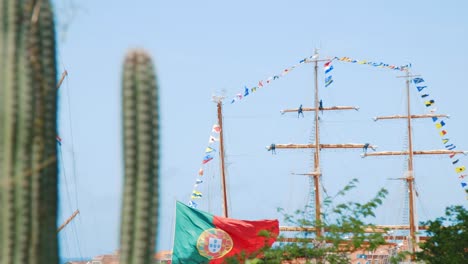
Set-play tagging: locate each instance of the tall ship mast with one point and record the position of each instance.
(219, 111)
(409, 176)
(317, 145)
(412, 227)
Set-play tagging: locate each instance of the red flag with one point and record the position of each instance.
(244, 234)
(201, 237)
(216, 128)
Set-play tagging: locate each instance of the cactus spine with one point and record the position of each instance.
(28, 171)
(141, 153)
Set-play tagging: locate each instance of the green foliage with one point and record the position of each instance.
(448, 238)
(344, 225)
(400, 257)
(141, 153)
(28, 102)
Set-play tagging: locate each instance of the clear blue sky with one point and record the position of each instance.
(210, 47)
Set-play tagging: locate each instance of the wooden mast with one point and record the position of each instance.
(410, 175)
(323, 146)
(409, 178)
(415, 152)
(221, 156)
(367, 229)
(412, 116)
(306, 109)
(316, 173)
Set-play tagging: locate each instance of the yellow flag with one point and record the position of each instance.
(196, 194)
(460, 169)
(208, 150)
(438, 125)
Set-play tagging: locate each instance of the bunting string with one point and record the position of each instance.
(374, 64)
(328, 68)
(440, 125)
(429, 103)
(209, 150)
(247, 91)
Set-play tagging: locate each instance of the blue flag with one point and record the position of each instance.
(420, 88)
(327, 79)
(418, 80)
(329, 69)
(246, 91)
(328, 83)
(441, 124)
(424, 95)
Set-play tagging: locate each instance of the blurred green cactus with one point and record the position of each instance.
(141, 153)
(28, 104)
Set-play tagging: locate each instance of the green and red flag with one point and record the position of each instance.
(201, 237)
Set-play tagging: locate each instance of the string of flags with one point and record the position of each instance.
(430, 105)
(209, 150)
(328, 67)
(374, 64)
(265, 82)
(440, 125)
(196, 194)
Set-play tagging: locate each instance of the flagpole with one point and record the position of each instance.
(221, 156)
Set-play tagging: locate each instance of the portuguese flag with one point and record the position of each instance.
(204, 238)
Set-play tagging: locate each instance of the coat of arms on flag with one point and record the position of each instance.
(214, 243)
